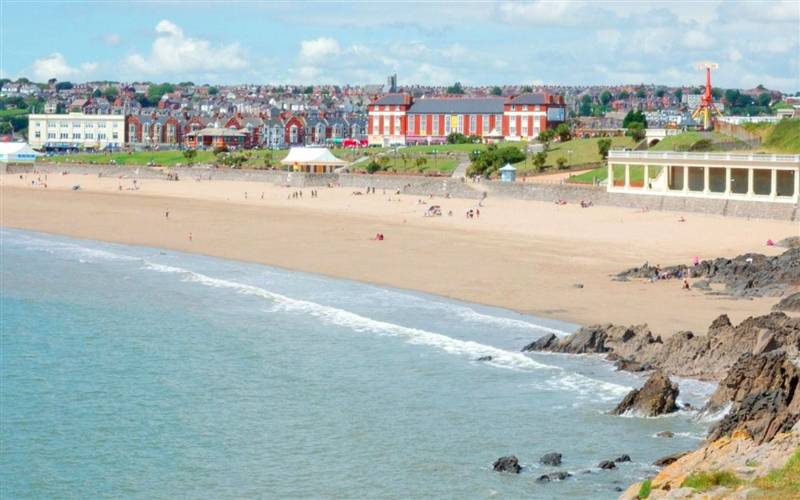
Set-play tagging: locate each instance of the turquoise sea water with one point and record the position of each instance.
(141, 373)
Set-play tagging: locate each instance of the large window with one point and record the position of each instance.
(486, 125)
(423, 124)
(461, 123)
(512, 125)
(396, 124)
(473, 124)
(447, 123)
(435, 125)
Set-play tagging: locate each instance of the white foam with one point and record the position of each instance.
(710, 417)
(471, 315)
(83, 254)
(466, 348)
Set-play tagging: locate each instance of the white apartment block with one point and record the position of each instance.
(76, 130)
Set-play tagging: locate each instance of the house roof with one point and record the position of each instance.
(488, 105)
(224, 132)
(530, 98)
(392, 100)
(311, 156)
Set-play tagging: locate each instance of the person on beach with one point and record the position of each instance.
(166, 215)
(262, 195)
(685, 284)
(477, 213)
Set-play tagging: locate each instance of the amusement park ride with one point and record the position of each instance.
(706, 108)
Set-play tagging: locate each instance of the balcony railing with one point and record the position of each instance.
(668, 155)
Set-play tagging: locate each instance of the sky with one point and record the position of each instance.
(436, 43)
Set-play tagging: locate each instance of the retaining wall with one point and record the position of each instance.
(440, 186)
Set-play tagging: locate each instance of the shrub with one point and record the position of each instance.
(644, 490)
(704, 481)
(561, 162)
(702, 145)
(373, 167)
(539, 159)
(486, 162)
(603, 146)
(190, 155)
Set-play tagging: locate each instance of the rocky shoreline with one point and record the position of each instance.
(756, 364)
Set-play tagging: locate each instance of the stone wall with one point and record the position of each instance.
(441, 186)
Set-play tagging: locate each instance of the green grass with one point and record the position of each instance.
(751, 463)
(601, 174)
(575, 151)
(784, 137)
(9, 113)
(161, 158)
(704, 481)
(644, 490)
(684, 141)
(782, 483)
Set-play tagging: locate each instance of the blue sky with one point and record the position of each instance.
(566, 42)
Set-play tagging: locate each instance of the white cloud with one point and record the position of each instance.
(56, 66)
(175, 53)
(319, 48)
(696, 39)
(734, 55)
(542, 12)
(609, 38)
(112, 39)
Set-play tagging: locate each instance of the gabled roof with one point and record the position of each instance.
(530, 98)
(487, 105)
(393, 100)
(311, 156)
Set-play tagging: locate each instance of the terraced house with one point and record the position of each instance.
(399, 119)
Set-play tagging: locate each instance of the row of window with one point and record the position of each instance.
(455, 123)
(63, 124)
(77, 136)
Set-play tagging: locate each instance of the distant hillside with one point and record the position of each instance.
(784, 137)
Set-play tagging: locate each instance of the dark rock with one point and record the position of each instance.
(701, 285)
(551, 459)
(632, 366)
(577, 285)
(622, 458)
(763, 392)
(666, 434)
(747, 275)
(789, 303)
(507, 464)
(618, 488)
(656, 397)
(607, 465)
(553, 476)
(484, 358)
(669, 459)
(543, 343)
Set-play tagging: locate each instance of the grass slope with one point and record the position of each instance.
(784, 137)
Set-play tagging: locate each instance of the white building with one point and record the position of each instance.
(76, 131)
(727, 176)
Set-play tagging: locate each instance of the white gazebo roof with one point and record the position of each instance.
(508, 168)
(17, 151)
(311, 156)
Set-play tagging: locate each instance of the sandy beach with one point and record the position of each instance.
(523, 255)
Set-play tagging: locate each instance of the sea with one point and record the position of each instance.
(135, 372)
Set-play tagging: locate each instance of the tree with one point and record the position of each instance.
(487, 161)
(373, 167)
(308, 90)
(634, 117)
(679, 94)
(585, 108)
(213, 91)
(546, 136)
(603, 146)
(640, 93)
(111, 93)
(456, 88)
(496, 91)
(190, 155)
(384, 162)
(155, 92)
(624, 95)
(605, 97)
(539, 159)
(526, 88)
(636, 131)
(268, 159)
(64, 85)
(97, 93)
(564, 133)
(420, 162)
(764, 99)
(661, 92)
(458, 138)
(186, 84)
(561, 162)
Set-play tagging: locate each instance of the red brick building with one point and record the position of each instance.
(398, 119)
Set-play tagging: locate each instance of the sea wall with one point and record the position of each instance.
(442, 186)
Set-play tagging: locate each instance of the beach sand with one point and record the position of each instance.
(523, 255)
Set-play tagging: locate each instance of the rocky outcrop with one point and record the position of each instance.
(507, 464)
(762, 390)
(551, 459)
(607, 465)
(664, 461)
(790, 303)
(684, 354)
(790, 242)
(656, 397)
(553, 476)
(622, 458)
(748, 275)
(738, 454)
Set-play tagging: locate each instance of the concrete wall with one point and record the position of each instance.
(441, 186)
